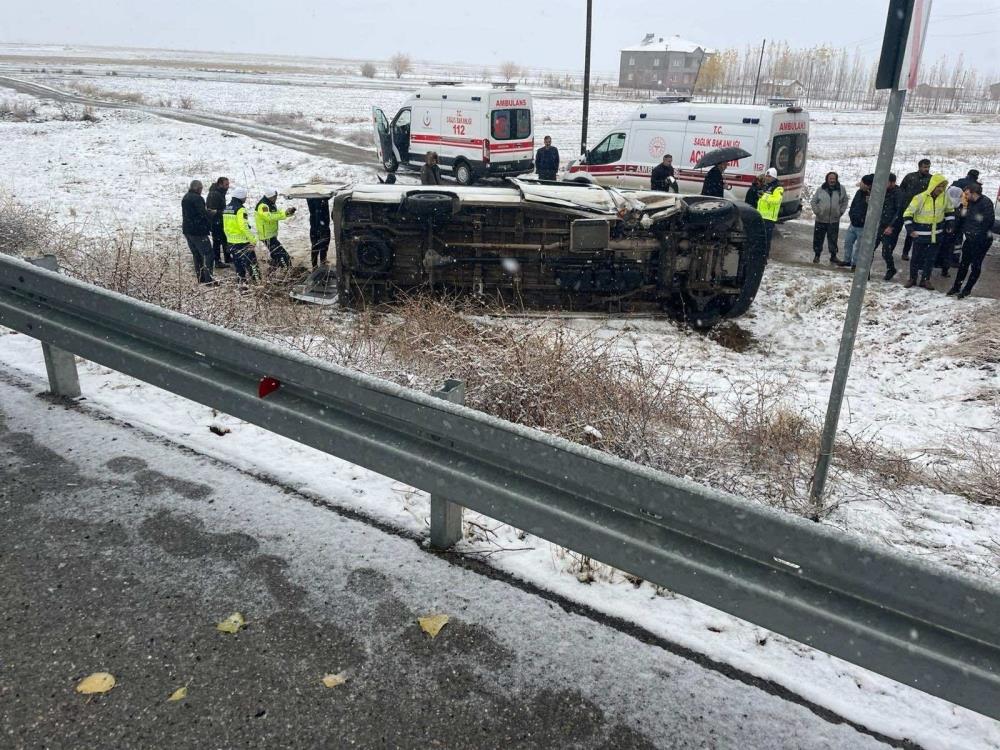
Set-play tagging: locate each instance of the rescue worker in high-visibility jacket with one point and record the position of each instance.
(240, 236)
(268, 216)
(926, 219)
(769, 204)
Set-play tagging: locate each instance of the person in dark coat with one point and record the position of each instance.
(197, 225)
(714, 184)
(913, 185)
(828, 205)
(430, 172)
(216, 201)
(547, 160)
(888, 228)
(964, 182)
(662, 177)
(319, 229)
(755, 190)
(977, 216)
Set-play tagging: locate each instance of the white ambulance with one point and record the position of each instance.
(477, 132)
(776, 136)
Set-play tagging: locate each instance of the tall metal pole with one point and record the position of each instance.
(586, 79)
(760, 64)
(893, 115)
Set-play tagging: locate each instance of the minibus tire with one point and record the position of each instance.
(717, 214)
(373, 254)
(428, 204)
(463, 167)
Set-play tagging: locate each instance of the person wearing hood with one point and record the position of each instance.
(977, 217)
(828, 204)
(769, 204)
(857, 213)
(713, 184)
(240, 236)
(216, 201)
(927, 218)
(267, 217)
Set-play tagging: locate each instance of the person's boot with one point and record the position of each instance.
(925, 283)
(906, 255)
(944, 273)
(953, 291)
(910, 283)
(964, 293)
(816, 258)
(890, 272)
(834, 260)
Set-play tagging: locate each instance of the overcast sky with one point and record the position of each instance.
(546, 33)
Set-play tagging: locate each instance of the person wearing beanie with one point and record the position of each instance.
(240, 237)
(927, 219)
(769, 204)
(857, 214)
(964, 182)
(828, 204)
(268, 215)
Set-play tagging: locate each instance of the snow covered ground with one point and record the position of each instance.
(130, 169)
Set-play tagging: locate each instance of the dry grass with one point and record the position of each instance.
(980, 345)
(96, 92)
(282, 119)
(750, 436)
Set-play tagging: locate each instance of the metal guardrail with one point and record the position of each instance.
(925, 626)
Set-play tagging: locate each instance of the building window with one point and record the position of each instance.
(688, 78)
(656, 62)
(676, 62)
(631, 76)
(631, 61)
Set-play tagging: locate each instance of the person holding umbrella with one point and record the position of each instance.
(718, 160)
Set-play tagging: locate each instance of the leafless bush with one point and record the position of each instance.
(282, 119)
(185, 102)
(400, 64)
(974, 472)
(95, 92)
(73, 113)
(368, 70)
(16, 111)
(509, 70)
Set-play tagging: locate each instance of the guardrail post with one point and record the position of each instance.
(59, 364)
(446, 516)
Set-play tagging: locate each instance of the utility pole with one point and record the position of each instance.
(760, 64)
(586, 79)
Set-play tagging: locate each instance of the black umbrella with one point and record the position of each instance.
(722, 156)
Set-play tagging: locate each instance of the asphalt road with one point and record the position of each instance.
(304, 142)
(119, 552)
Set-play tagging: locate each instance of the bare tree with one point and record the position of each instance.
(368, 70)
(486, 74)
(400, 64)
(510, 70)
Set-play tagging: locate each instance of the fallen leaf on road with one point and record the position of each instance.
(231, 624)
(179, 694)
(432, 625)
(99, 682)
(332, 680)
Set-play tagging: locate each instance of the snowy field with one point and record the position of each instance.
(910, 387)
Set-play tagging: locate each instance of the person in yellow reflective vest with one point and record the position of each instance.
(240, 236)
(769, 204)
(928, 217)
(268, 216)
